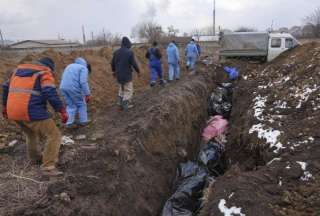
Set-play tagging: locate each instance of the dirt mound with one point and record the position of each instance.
(274, 140)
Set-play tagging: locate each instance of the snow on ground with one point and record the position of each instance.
(304, 94)
(259, 106)
(229, 211)
(280, 104)
(273, 160)
(67, 141)
(270, 135)
(306, 174)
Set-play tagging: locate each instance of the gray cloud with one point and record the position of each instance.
(24, 19)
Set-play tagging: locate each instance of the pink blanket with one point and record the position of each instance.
(217, 125)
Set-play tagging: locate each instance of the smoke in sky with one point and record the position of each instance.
(154, 8)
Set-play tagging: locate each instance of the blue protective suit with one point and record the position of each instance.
(173, 61)
(155, 65)
(74, 87)
(192, 55)
(232, 72)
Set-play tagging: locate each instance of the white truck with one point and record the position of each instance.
(256, 45)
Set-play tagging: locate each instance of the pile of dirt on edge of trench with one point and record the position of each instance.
(130, 171)
(274, 141)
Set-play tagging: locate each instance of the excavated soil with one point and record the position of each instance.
(273, 146)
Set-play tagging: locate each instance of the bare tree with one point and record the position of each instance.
(197, 33)
(313, 20)
(105, 39)
(246, 29)
(172, 32)
(148, 31)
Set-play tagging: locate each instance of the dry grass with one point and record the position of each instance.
(19, 186)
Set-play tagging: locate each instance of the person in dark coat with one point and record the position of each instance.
(123, 63)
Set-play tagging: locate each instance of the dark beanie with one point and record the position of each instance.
(48, 62)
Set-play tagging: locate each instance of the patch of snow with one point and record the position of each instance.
(270, 135)
(288, 167)
(280, 104)
(306, 176)
(303, 165)
(231, 195)
(260, 104)
(280, 182)
(273, 160)
(262, 87)
(283, 80)
(245, 77)
(304, 96)
(229, 211)
(310, 66)
(81, 137)
(13, 143)
(67, 141)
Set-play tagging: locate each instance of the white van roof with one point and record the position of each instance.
(281, 35)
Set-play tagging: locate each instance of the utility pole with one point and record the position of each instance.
(214, 18)
(104, 36)
(92, 36)
(272, 23)
(84, 36)
(2, 40)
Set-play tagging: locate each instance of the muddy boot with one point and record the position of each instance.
(51, 171)
(120, 100)
(37, 161)
(84, 124)
(126, 105)
(163, 83)
(153, 84)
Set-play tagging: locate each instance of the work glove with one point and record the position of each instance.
(87, 98)
(4, 112)
(64, 115)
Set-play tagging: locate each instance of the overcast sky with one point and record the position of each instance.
(45, 19)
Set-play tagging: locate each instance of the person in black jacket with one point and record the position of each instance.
(154, 55)
(123, 63)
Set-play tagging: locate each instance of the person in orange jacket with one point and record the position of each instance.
(25, 97)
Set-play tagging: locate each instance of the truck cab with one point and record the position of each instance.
(279, 43)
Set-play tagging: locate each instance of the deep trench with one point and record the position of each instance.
(176, 207)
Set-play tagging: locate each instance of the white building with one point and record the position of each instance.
(29, 44)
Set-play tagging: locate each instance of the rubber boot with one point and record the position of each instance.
(126, 105)
(163, 83)
(153, 84)
(120, 100)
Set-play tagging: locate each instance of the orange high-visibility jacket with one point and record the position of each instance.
(27, 92)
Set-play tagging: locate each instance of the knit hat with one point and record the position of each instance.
(48, 62)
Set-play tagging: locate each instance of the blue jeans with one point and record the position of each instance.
(191, 62)
(174, 71)
(156, 72)
(75, 104)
